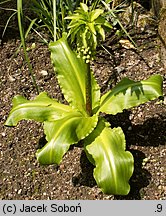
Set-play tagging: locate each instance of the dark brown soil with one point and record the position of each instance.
(22, 177)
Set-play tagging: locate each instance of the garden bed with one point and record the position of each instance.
(22, 177)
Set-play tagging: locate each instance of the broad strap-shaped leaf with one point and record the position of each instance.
(128, 94)
(114, 165)
(61, 133)
(41, 109)
(71, 73)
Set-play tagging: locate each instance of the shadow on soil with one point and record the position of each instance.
(140, 179)
(86, 176)
(151, 133)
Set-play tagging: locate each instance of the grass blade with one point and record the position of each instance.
(21, 29)
(54, 18)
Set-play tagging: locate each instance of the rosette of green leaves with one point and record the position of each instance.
(65, 125)
(85, 27)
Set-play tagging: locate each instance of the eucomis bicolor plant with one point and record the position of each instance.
(65, 125)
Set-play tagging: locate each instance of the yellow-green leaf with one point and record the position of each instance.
(41, 109)
(84, 7)
(128, 94)
(113, 165)
(60, 134)
(95, 14)
(71, 72)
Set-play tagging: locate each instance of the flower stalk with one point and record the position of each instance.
(88, 91)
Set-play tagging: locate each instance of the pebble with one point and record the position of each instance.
(119, 69)
(3, 134)
(165, 100)
(44, 72)
(129, 128)
(19, 192)
(11, 79)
